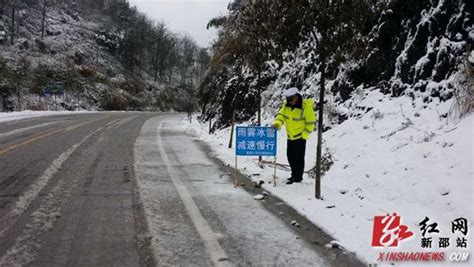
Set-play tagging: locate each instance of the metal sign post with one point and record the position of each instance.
(275, 171)
(255, 141)
(235, 172)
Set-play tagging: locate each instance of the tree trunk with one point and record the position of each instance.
(140, 60)
(210, 125)
(320, 129)
(2, 7)
(43, 20)
(17, 16)
(259, 96)
(191, 95)
(13, 24)
(18, 94)
(259, 113)
(232, 130)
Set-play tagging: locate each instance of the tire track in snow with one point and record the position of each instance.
(148, 143)
(43, 135)
(216, 252)
(22, 130)
(25, 200)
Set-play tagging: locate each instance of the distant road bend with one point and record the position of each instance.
(129, 189)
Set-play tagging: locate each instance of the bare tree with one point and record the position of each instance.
(13, 22)
(188, 59)
(43, 20)
(203, 59)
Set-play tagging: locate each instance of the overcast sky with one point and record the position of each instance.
(185, 16)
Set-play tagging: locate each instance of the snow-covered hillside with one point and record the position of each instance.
(107, 54)
(69, 45)
(413, 48)
(398, 124)
(397, 158)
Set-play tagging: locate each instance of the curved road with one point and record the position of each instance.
(132, 189)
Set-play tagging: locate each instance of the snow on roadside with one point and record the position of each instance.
(402, 156)
(27, 114)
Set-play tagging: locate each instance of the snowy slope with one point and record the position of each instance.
(403, 157)
(391, 125)
(74, 50)
(414, 48)
(70, 45)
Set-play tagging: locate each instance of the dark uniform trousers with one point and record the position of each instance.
(295, 152)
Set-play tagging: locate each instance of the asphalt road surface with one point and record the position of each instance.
(134, 189)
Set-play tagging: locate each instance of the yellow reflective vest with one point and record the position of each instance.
(300, 122)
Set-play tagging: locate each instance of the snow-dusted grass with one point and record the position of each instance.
(401, 156)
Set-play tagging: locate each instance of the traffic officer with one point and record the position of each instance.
(298, 115)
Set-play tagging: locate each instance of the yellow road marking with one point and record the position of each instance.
(28, 141)
(40, 136)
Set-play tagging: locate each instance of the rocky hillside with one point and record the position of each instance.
(107, 55)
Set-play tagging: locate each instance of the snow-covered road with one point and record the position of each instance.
(132, 189)
(195, 214)
(67, 191)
